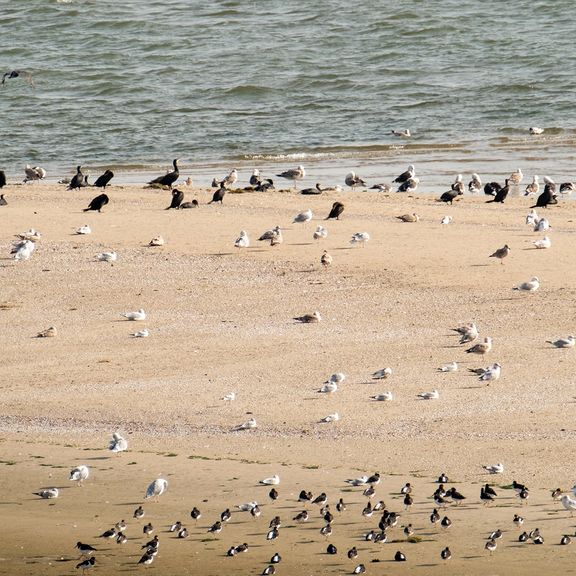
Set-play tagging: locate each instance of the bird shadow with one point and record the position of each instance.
(479, 265)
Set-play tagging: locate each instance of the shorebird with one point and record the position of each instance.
(452, 367)
(250, 424)
(383, 397)
(501, 253)
(533, 188)
(446, 554)
(530, 286)
(303, 217)
(568, 503)
(491, 373)
(491, 546)
(79, 474)
(48, 333)
(352, 180)
(309, 318)
(567, 342)
(118, 443)
(410, 173)
(156, 489)
(336, 211)
(293, 174)
(48, 493)
(409, 217)
(157, 241)
(494, 468)
(242, 241)
(84, 230)
(482, 347)
(144, 333)
(328, 388)
(360, 238)
(22, 250)
(107, 257)
(86, 564)
(272, 481)
(409, 186)
(475, 185)
(326, 259)
(139, 513)
(433, 395)
(320, 232)
(85, 549)
(139, 315)
(516, 177)
(331, 417)
(543, 243)
(382, 374)
(169, 178)
(518, 520)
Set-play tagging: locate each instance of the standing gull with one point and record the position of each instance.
(410, 173)
(79, 474)
(501, 253)
(293, 174)
(533, 188)
(156, 489)
(516, 177)
(475, 185)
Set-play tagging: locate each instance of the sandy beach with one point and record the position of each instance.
(221, 320)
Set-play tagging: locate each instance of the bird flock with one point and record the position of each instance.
(382, 524)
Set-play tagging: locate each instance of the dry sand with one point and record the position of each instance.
(220, 320)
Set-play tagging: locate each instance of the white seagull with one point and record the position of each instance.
(543, 243)
(144, 333)
(242, 241)
(446, 220)
(491, 373)
(156, 489)
(79, 474)
(452, 367)
(531, 286)
(247, 506)
(383, 397)
(107, 257)
(494, 468)
(361, 481)
(272, 481)
(22, 250)
(382, 374)
(360, 238)
(118, 443)
(229, 397)
(531, 218)
(303, 217)
(329, 388)
(568, 503)
(434, 395)
(250, 424)
(84, 230)
(135, 316)
(48, 493)
(331, 418)
(293, 174)
(320, 232)
(541, 225)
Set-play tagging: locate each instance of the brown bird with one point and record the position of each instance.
(409, 217)
(48, 333)
(481, 347)
(501, 253)
(309, 318)
(326, 259)
(337, 209)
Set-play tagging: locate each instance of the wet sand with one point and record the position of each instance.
(220, 320)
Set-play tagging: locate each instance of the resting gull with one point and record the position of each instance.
(84, 230)
(533, 188)
(494, 468)
(530, 286)
(48, 493)
(250, 424)
(138, 315)
(303, 217)
(482, 347)
(353, 180)
(410, 173)
(23, 249)
(433, 395)
(331, 418)
(410, 185)
(107, 256)
(79, 474)
(360, 238)
(242, 241)
(383, 397)
(320, 232)
(543, 243)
